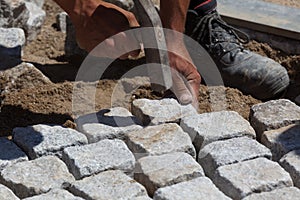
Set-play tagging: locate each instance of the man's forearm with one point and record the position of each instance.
(173, 13)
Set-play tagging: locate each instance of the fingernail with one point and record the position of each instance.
(185, 99)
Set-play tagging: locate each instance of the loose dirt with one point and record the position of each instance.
(52, 103)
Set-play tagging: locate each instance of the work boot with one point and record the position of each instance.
(251, 73)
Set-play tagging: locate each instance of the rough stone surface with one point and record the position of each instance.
(7, 194)
(39, 3)
(289, 193)
(209, 127)
(291, 163)
(230, 151)
(98, 157)
(61, 21)
(160, 139)
(13, 13)
(11, 43)
(112, 185)
(107, 124)
(55, 194)
(159, 171)
(35, 177)
(273, 115)
(282, 141)
(169, 111)
(196, 189)
(41, 140)
(10, 153)
(259, 175)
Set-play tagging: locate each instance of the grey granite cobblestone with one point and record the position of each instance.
(159, 171)
(273, 115)
(283, 140)
(259, 175)
(91, 159)
(112, 185)
(196, 189)
(230, 151)
(160, 139)
(288, 193)
(156, 112)
(7, 194)
(35, 177)
(209, 127)
(42, 140)
(10, 153)
(55, 194)
(291, 163)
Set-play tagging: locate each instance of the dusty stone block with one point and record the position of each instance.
(160, 139)
(230, 151)
(55, 194)
(35, 177)
(39, 3)
(10, 153)
(7, 194)
(273, 115)
(289, 193)
(254, 176)
(209, 127)
(42, 140)
(169, 111)
(13, 13)
(98, 157)
(291, 163)
(111, 123)
(112, 185)
(61, 21)
(196, 189)
(282, 141)
(159, 171)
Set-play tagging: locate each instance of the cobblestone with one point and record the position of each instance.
(253, 176)
(273, 115)
(160, 139)
(196, 189)
(112, 185)
(10, 153)
(291, 163)
(35, 177)
(210, 127)
(112, 123)
(7, 194)
(289, 193)
(169, 111)
(94, 158)
(159, 171)
(282, 141)
(55, 194)
(42, 140)
(230, 151)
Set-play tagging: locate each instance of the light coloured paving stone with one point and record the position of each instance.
(39, 3)
(111, 123)
(159, 171)
(61, 21)
(156, 112)
(210, 127)
(230, 151)
(10, 153)
(98, 157)
(160, 139)
(273, 115)
(7, 194)
(288, 193)
(55, 194)
(254, 176)
(42, 140)
(282, 141)
(291, 163)
(112, 185)
(196, 189)
(35, 177)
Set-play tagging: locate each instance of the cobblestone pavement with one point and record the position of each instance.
(174, 153)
